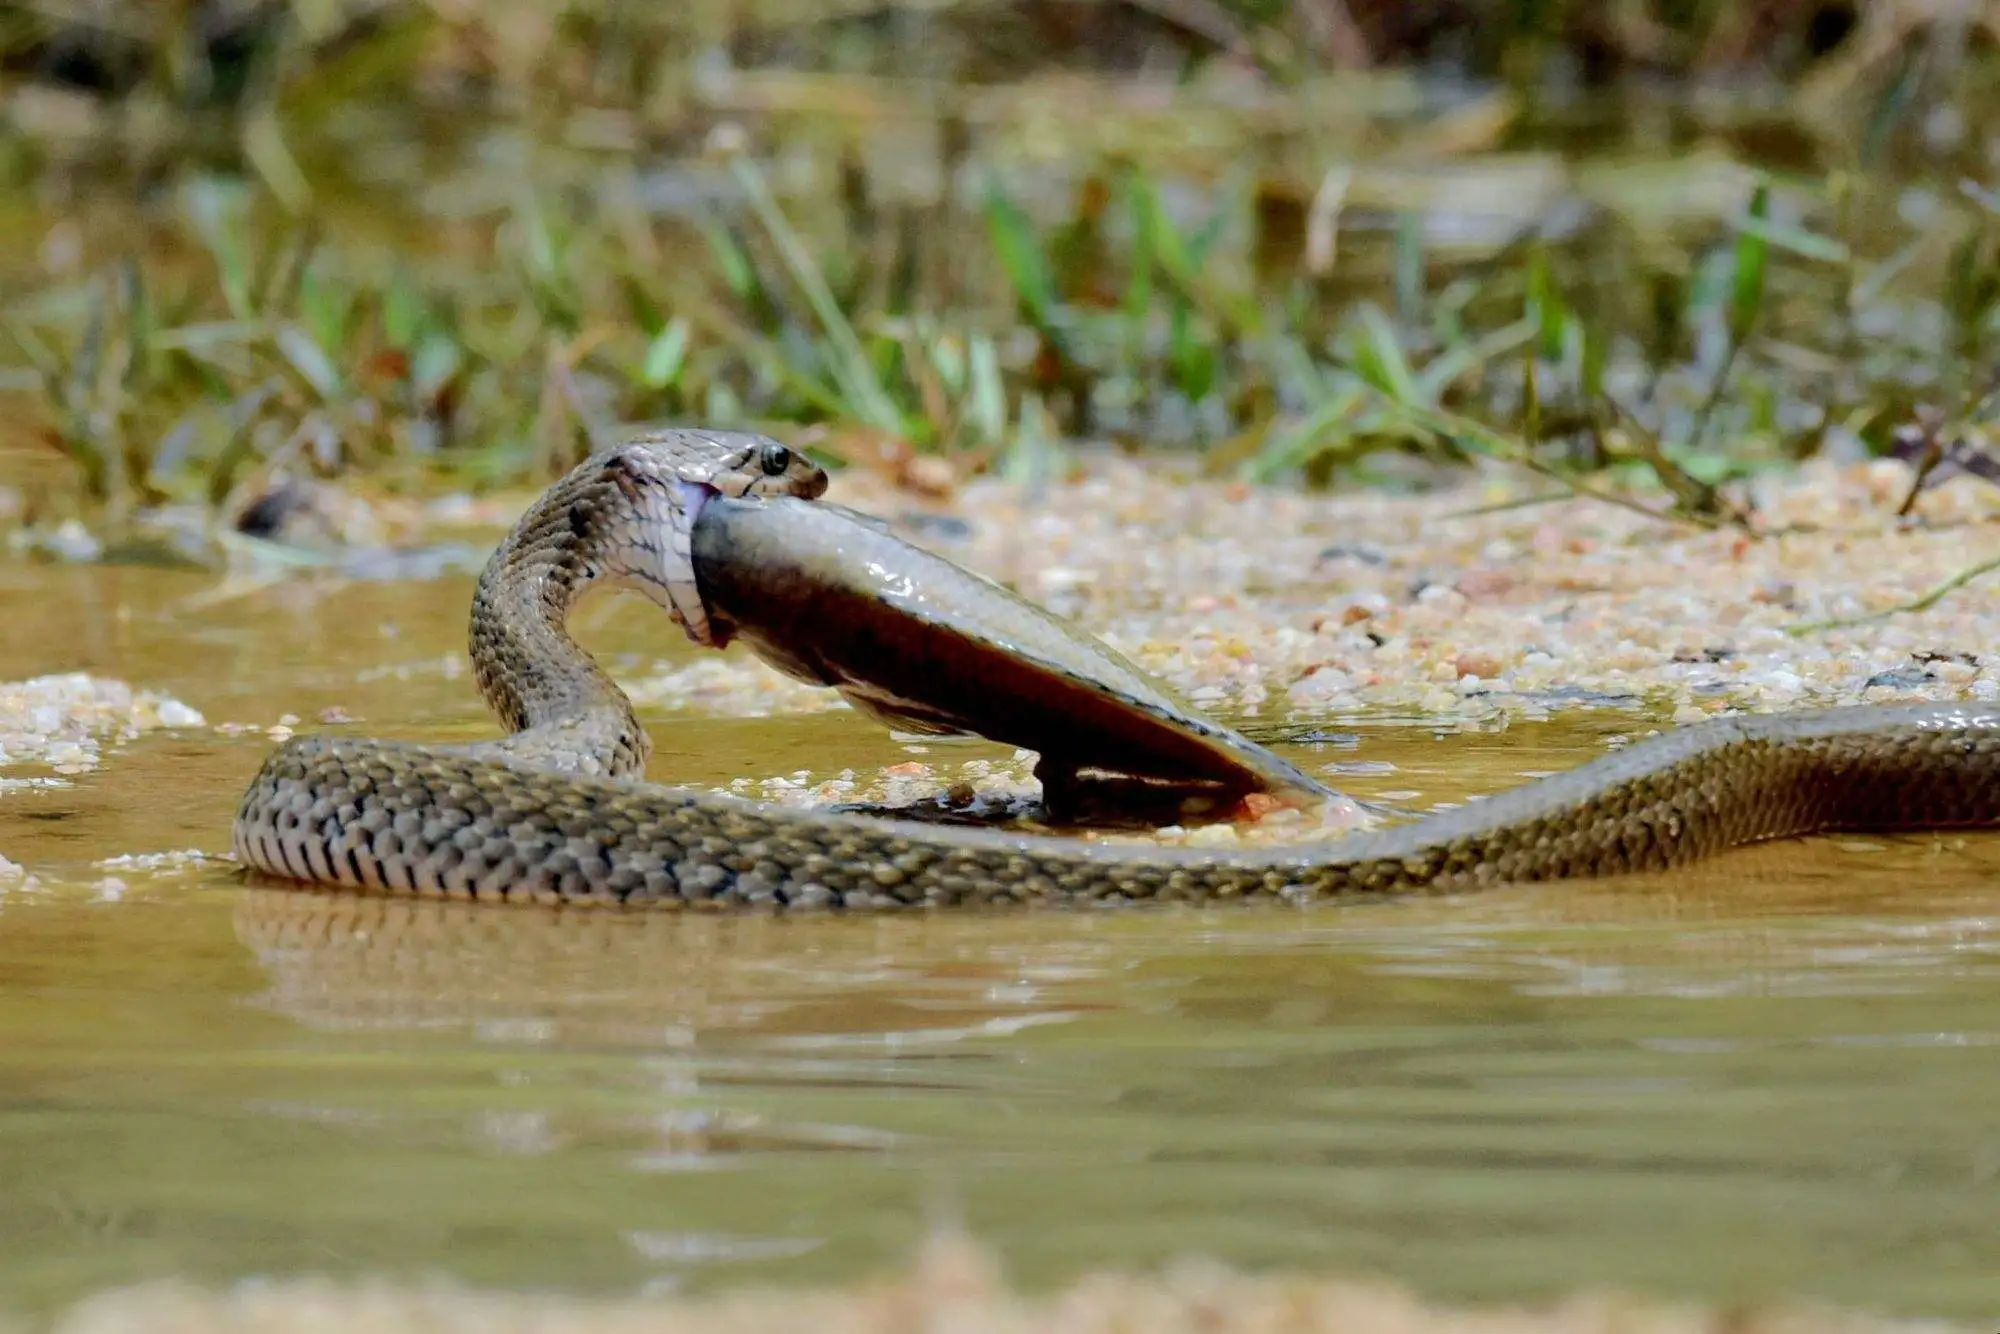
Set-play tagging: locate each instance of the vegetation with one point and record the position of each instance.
(423, 238)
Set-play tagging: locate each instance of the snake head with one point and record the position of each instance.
(732, 463)
(763, 467)
(668, 476)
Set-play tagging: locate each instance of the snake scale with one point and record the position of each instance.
(559, 811)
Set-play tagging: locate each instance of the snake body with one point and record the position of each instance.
(558, 810)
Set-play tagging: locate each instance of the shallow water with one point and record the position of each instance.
(1773, 1076)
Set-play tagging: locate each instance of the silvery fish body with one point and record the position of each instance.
(833, 597)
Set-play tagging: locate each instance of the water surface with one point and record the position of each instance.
(1772, 1076)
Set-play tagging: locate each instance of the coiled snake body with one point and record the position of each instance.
(558, 810)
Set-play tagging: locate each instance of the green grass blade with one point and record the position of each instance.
(1753, 249)
(1022, 258)
(852, 369)
(666, 355)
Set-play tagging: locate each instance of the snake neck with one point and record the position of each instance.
(563, 711)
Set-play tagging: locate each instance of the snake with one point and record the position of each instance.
(559, 810)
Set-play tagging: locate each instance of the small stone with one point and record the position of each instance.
(67, 753)
(1776, 592)
(1256, 805)
(1480, 664)
(71, 541)
(173, 713)
(929, 475)
(1484, 585)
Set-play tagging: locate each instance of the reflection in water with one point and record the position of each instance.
(632, 979)
(1760, 922)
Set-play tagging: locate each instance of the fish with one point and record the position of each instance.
(834, 597)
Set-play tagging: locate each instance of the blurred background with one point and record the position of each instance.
(405, 242)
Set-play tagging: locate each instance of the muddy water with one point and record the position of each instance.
(1776, 1076)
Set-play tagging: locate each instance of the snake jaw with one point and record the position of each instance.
(682, 591)
(692, 496)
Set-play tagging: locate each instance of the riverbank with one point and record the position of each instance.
(1271, 602)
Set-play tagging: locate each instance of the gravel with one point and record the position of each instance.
(65, 721)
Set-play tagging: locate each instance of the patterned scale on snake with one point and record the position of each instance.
(558, 810)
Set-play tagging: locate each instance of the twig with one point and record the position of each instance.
(1589, 492)
(1918, 442)
(1691, 494)
(1699, 431)
(1503, 506)
(1452, 426)
(1923, 603)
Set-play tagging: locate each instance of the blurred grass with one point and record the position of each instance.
(1640, 251)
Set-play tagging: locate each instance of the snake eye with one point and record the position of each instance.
(774, 459)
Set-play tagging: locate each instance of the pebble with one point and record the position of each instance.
(71, 541)
(173, 713)
(1478, 665)
(1484, 585)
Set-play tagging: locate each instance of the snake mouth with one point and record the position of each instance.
(683, 586)
(694, 496)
